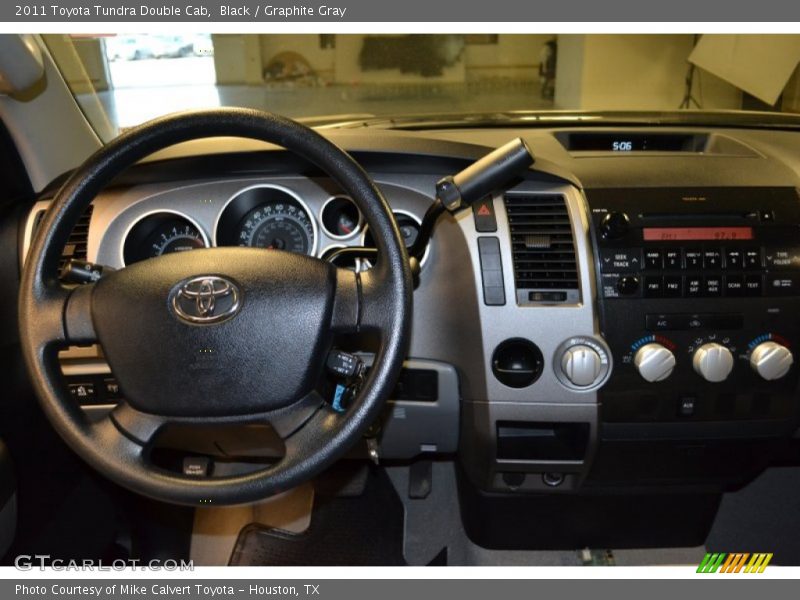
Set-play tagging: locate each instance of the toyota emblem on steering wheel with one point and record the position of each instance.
(206, 299)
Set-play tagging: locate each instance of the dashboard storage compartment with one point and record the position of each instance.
(542, 441)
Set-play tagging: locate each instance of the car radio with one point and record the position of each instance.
(698, 295)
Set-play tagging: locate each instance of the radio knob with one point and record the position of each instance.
(654, 362)
(581, 365)
(713, 362)
(771, 360)
(614, 226)
(628, 285)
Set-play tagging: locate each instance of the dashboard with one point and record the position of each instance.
(623, 317)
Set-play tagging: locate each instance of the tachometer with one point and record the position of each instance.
(277, 226)
(161, 233)
(177, 238)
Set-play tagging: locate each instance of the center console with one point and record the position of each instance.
(697, 300)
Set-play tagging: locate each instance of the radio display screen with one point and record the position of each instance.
(679, 234)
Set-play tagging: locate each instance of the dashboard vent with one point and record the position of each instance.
(77, 244)
(542, 246)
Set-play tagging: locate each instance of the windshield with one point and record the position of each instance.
(122, 80)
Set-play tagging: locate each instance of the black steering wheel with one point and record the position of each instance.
(219, 335)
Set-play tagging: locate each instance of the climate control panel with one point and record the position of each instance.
(697, 293)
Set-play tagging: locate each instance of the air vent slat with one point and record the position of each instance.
(78, 243)
(542, 243)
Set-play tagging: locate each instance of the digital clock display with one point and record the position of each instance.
(680, 234)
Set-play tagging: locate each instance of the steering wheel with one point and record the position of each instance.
(218, 335)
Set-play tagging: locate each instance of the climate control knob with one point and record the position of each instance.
(713, 362)
(654, 362)
(771, 360)
(581, 365)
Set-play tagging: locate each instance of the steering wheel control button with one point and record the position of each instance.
(517, 363)
(196, 466)
(713, 362)
(494, 293)
(483, 213)
(111, 387)
(771, 360)
(206, 300)
(654, 362)
(582, 363)
(83, 392)
(344, 364)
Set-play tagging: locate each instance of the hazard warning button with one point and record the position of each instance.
(483, 211)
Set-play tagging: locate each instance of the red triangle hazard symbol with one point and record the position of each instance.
(484, 211)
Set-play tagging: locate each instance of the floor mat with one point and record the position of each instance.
(366, 530)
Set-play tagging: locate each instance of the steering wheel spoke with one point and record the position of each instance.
(63, 316)
(288, 421)
(318, 426)
(137, 426)
(360, 301)
(78, 324)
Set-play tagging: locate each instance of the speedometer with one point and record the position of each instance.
(277, 226)
(268, 217)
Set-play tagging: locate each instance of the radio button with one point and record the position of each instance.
(694, 258)
(694, 286)
(782, 285)
(673, 286)
(783, 258)
(653, 287)
(712, 259)
(752, 258)
(712, 285)
(621, 259)
(734, 258)
(753, 285)
(654, 259)
(673, 259)
(734, 285)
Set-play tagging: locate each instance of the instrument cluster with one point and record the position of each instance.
(260, 216)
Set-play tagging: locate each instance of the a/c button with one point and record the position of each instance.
(666, 322)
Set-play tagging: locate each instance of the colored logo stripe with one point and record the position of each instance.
(735, 562)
